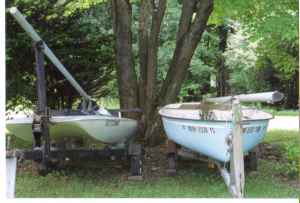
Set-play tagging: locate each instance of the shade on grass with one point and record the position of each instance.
(193, 181)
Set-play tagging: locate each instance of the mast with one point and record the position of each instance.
(47, 51)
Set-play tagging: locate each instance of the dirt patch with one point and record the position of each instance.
(155, 162)
(271, 152)
(154, 166)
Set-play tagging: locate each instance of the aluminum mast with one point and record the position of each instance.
(47, 51)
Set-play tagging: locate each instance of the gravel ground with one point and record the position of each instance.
(284, 123)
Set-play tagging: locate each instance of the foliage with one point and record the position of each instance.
(82, 39)
(272, 27)
(292, 154)
(266, 22)
(261, 54)
(288, 143)
(202, 64)
(240, 58)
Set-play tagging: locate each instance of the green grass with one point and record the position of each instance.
(281, 112)
(282, 137)
(192, 181)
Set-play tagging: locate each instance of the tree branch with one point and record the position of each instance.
(185, 48)
(188, 7)
(144, 24)
(204, 9)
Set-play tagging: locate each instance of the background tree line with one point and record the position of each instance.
(130, 50)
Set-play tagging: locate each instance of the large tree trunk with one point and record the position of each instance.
(151, 16)
(188, 36)
(127, 82)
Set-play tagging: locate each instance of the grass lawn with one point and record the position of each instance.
(282, 137)
(281, 112)
(192, 180)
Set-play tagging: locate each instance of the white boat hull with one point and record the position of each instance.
(211, 137)
(107, 129)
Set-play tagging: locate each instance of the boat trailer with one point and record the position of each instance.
(234, 176)
(42, 152)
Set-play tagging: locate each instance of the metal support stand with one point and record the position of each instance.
(11, 170)
(135, 153)
(171, 157)
(41, 118)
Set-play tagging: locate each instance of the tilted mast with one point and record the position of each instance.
(47, 51)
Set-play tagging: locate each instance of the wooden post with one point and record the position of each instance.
(237, 176)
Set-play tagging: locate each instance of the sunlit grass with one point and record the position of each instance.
(281, 112)
(282, 137)
(196, 181)
(193, 181)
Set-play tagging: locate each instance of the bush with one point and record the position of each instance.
(292, 152)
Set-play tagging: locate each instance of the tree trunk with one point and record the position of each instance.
(127, 82)
(291, 92)
(157, 16)
(150, 19)
(144, 33)
(188, 36)
(222, 71)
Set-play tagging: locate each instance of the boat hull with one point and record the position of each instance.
(211, 137)
(107, 129)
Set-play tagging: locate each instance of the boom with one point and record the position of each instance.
(269, 97)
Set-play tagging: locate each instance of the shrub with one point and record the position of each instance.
(292, 152)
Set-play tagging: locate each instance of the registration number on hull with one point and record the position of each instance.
(212, 131)
(112, 122)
